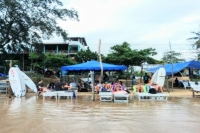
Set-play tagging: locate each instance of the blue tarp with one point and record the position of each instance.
(177, 67)
(93, 66)
(3, 75)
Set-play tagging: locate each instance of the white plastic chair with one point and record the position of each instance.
(195, 89)
(49, 94)
(185, 84)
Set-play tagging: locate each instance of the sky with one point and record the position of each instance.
(141, 23)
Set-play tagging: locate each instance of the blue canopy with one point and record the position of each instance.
(177, 67)
(93, 66)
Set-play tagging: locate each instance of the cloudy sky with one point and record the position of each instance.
(141, 23)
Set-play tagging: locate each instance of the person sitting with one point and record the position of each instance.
(40, 88)
(118, 87)
(58, 85)
(97, 87)
(139, 87)
(66, 86)
(51, 86)
(108, 87)
(103, 88)
(157, 87)
(124, 87)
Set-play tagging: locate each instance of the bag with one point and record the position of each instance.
(152, 91)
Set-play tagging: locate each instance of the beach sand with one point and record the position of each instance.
(32, 114)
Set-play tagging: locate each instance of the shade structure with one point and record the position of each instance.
(177, 67)
(93, 66)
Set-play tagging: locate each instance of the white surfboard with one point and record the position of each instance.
(17, 85)
(29, 82)
(154, 77)
(161, 76)
(23, 87)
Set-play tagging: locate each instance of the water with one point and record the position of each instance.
(31, 114)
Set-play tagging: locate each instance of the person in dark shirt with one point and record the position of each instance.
(176, 82)
(133, 79)
(105, 78)
(58, 85)
(146, 78)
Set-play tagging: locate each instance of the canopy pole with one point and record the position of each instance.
(92, 83)
(172, 66)
(100, 61)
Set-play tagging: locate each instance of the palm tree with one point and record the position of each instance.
(196, 44)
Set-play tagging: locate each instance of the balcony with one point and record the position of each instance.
(73, 51)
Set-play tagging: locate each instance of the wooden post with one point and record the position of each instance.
(172, 66)
(93, 87)
(141, 74)
(10, 63)
(101, 76)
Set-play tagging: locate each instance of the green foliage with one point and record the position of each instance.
(48, 60)
(25, 23)
(86, 55)
(154, 61)
(56, 61)
(124, 55)
(36, 60)
(196, 39)
(172, 56)
(120, 54)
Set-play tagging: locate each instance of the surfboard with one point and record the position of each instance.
(154, 77)
(23, 87)
(17, 84)
(29, 82)
(161, 76)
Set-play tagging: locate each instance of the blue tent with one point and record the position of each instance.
(177, 67)
(93, 66)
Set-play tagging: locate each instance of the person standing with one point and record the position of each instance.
(146, 78)
(133, 79)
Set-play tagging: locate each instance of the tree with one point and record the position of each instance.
(35, 60)
(86, 55)
(144, 55)
(124, 55)
(172, 56)
(25, 23)
(121, 54)
(48, 61)
(55, 61)
(196, 39)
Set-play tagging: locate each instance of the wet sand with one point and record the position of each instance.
(30, 114)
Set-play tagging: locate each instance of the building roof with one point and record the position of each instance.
(82, 38)
(70, 38)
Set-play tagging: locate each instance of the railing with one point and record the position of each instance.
(73, 51)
